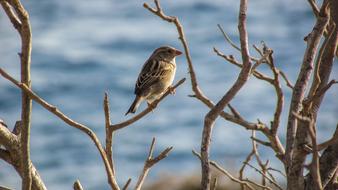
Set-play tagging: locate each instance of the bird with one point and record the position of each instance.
(156, 76)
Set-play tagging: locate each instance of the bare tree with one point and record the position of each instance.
(301, 123)
(301, 141)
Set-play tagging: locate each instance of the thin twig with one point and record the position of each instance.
(320, 92)
(235, 112)
(314, 169)
(223, 171)
(109, 132)
(150, 161)
(314, 7)
(259, 161)
(258, 185)
(258, 50)
(258, 61)
(11, 15)
(278, 89)
(77, 185)
(125, 187)
(288, 83)
(233, 61)
(4, 188)
(241, 171)
(227, 38)
(276, 170)
(265, 176)
(268, 144)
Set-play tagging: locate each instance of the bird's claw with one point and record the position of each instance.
(151, 106)
(171, 90)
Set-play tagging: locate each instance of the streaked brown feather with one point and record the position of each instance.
(151, 72)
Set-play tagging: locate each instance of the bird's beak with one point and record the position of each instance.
(178, 52)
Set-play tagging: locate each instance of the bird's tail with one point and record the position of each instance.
(134, 105)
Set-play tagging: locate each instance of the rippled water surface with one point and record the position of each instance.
(82, 49)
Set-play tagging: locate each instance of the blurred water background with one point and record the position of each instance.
(82, 49)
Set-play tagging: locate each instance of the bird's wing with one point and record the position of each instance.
(152, 71)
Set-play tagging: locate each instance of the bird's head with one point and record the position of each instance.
(166, 52)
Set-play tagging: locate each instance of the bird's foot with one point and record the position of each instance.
(171, 90)
(152, 106)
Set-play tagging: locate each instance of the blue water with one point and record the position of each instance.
(82, 49)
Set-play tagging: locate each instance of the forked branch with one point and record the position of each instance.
(66, 119)
(150, 161)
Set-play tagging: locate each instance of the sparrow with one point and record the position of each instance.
(156, 76)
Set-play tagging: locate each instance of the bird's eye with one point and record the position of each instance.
(170, 51)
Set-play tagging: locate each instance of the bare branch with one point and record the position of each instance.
(227, 38)
(20, 20)
(146, 111)
(313, 40)
(11, 15)
(278, 171)
(77, 185)
(314, 7)
(258, 185)
(109, 132)
(319, 93)
(223, 171)
(261, 142)
(279, 92)
(257, 74)
(233, 61)
(150, 161)
(235, 112)
(70, 122)
(125, 187)
(265, 176)
(241, 171)
(288, 83)
(258, 50)
(257, 156)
